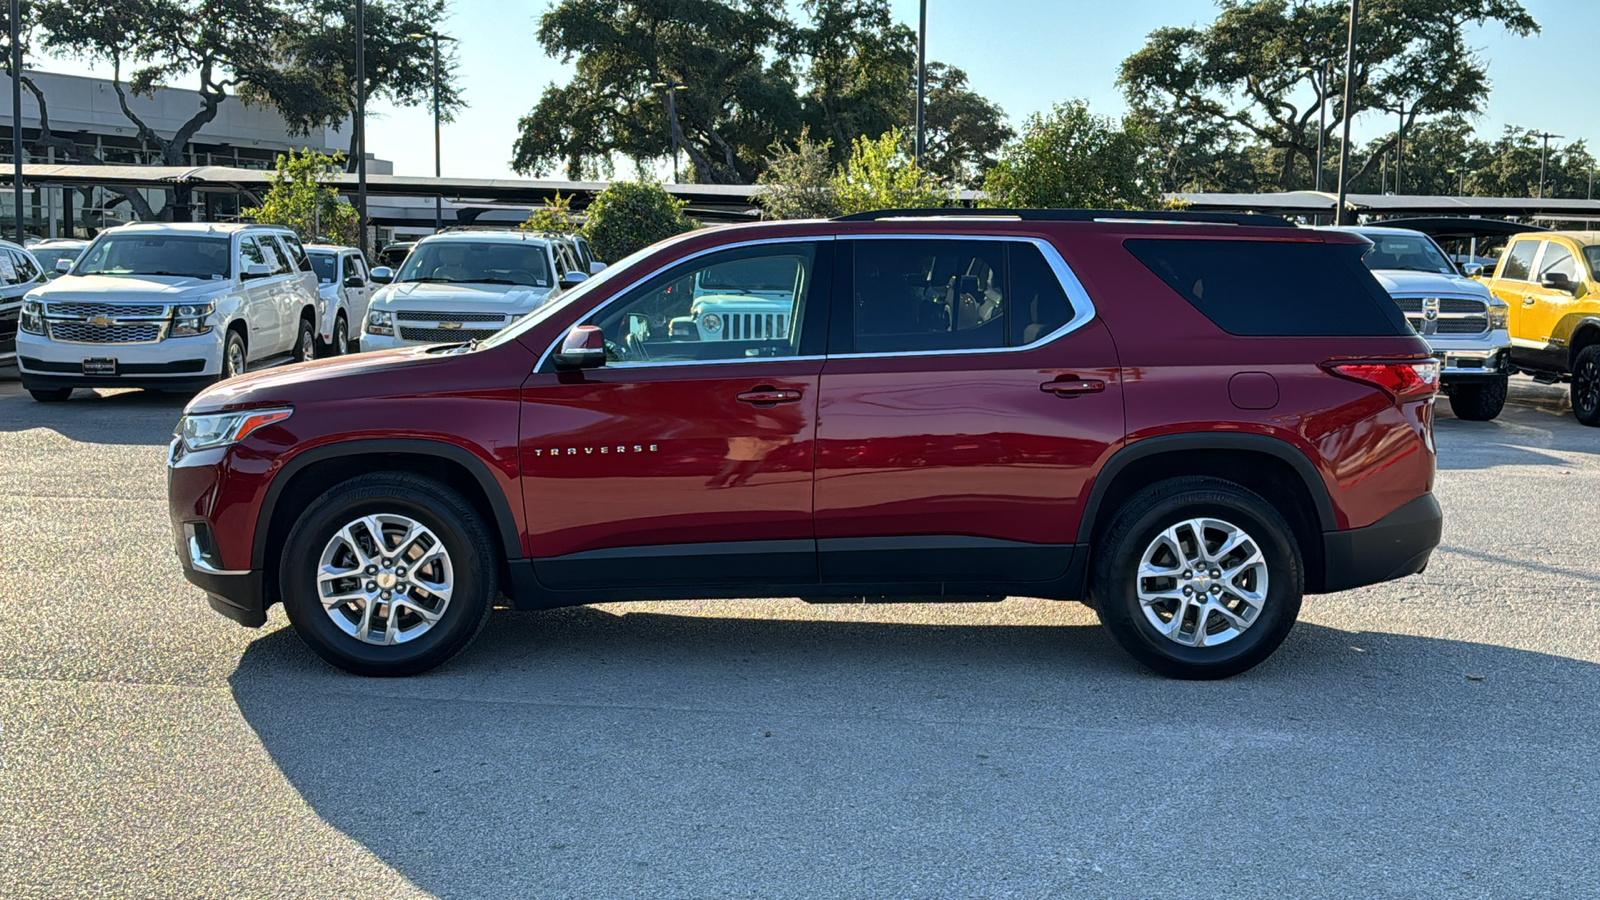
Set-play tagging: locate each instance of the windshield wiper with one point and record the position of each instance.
(430, 279)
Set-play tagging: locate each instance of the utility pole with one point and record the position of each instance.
(922, 78)
(1400, 144)
(1322, 119)
(1349, 100)
(361, 127)
(671, 86)
(438, 198)
(16, 111)
(1544, 151)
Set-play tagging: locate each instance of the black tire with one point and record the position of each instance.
(1136, 526)
(51, 395)
(235, 355)
(473, 558)
(1478, 401)
(1586, 386)
(340, 345)
(305, 341)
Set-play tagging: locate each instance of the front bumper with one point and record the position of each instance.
(1395, 546)
(181, 363)
(213, 525)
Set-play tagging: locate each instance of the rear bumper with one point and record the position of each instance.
(1395, 546)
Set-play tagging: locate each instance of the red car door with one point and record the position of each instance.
(968, 395)
(688, 457)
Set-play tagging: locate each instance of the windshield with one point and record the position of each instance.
(326, 265)
(521, 326)
(182, 256)
(1411, 252)
(474, 262)
(49, 256)
(749, 275)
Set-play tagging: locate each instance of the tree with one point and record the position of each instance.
(798, 182)
(631, 215)
(1073, 158)
(1252, 69)
(963, 131)
(299, 199)
(880, 174)
(860, 62)
(553, 217)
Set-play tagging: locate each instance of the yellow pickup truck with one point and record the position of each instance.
(1548, 279)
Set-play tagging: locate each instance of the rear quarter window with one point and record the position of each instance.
(1275, 288)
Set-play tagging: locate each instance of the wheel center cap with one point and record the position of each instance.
(1201, 583)
(387, 580)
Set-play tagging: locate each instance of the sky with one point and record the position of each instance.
(1024, 55)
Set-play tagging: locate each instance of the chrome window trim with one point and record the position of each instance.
(622, 292)
(1082, 307)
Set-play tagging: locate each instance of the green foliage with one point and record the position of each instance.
(798, 182)
(880, 174)
(1074, 159)
(962, 130)
(1445, 157)
(300, 200)
(860, 63)
(632, 215)
(1254, 74)
(554, 217)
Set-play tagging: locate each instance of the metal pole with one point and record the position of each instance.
(1349, 100)
(438, 199)
(922, 79)
(1322, 118)
(361, 126)
(1544, 151)
(16, 109)
(672, 123)
(1400, 146)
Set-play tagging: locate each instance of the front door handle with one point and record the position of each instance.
(1529, 301)
(1073, 387)
(763, 396)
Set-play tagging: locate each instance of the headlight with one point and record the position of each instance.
(32, 316)
(225, 429)
(380, 321)
(712, 322)
(1498, 314)
(190, 319)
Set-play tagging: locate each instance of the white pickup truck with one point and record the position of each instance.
(169, 306)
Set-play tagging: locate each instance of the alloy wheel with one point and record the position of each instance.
(385, 579)
(1202, 582)
(236, 361)
(1586, 385)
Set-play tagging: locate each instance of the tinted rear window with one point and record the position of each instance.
(1275, 288)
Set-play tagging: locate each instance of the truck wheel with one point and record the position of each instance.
(305, 343)
(388, 574)
(1198, 578)
(51, 395)
(1586, 385)
(1478, 401)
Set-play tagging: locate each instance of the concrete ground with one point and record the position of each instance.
(1432, 737)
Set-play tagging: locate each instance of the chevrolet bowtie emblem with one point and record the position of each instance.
(450, 326)
(102, 321)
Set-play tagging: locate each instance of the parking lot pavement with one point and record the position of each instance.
(1432, 737)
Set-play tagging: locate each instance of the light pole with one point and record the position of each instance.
(1544, 151)
(1321, 69)
(1400, 139)
(16, 110)
(361, 126)
(1349, 99)
(671, 87)
(1463, 173)
(922, 78)
(438, 199)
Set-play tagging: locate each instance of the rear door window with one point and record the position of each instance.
(1519, 261)
(1275, 288)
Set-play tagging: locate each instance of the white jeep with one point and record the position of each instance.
(747, 300)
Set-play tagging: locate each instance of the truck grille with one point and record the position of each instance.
(755, 326)
(122, 333)
(1445, 315)
(441, 335)
(414, 315)
(109, 310)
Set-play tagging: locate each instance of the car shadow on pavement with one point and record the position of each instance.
(581, 753)
(96, 417)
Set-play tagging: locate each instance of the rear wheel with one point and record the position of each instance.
(1478, 401)
(51, 395)
(305, 343)
(1198, 578)
(388, 574)
(235, 361)
(1586, 385)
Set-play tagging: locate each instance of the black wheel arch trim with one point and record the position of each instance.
(1588, 325)
(504, 524)
(1169, 443)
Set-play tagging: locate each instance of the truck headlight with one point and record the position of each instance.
(32, 320)
(203, 432)
(1499, 313)
(191, 319)
(711, 322)
(380, 321)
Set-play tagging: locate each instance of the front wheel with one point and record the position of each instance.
(1198, 578)
(305, 342)
(51, 395)
(1478, 401)
(235, 361)
(341, 335)
(388, 574)
(1586, 385)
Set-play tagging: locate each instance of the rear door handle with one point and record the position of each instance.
(1073, 387)
(761, 396)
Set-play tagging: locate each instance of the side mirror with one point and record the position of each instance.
(382, 274)
(1557, 281)
(596, 267)
(64, 265)
(354, 281)
(257, 270)
(583, 348)
(572, 279)
(1474, 270)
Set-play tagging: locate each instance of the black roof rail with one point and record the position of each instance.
(1075, 215)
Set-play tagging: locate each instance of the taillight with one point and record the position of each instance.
(1398, 379)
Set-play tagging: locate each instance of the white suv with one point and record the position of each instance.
(345, 286)
(172, 306)
(465, 285)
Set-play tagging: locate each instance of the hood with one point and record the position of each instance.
(128, 289)
(285, 383)
(1406, 281)
(502, 298)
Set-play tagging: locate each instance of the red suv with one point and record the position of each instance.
(1185, 420)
